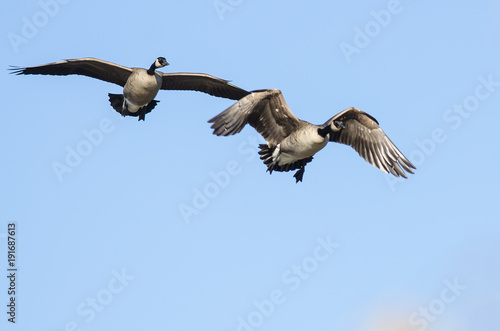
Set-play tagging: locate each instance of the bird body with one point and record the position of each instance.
(141, 88)
(301, 144)
(291, 143)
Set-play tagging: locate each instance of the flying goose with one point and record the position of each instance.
(140, 86)
(291, 142)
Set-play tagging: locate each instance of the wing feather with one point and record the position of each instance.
(362, 132)
(90, 67)
(203, 83)
(264, 110)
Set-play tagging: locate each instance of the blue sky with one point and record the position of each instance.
(162, 225)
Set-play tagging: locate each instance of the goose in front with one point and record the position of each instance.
(140, 86)
(291, 142)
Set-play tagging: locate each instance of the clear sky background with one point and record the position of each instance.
(160, 225)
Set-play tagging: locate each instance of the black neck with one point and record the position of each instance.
(324, 131)
(151, 70)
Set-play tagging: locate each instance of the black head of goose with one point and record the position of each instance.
(140, 86)
(291, 142)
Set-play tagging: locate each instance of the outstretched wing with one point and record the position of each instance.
(362, 132)
(265, 110)
(90, 67)
(203, 83)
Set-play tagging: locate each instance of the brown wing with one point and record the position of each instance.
(362, 132)
(90, 67)
(203, 83)
(265, 110)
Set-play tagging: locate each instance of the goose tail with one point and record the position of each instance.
(271, 160)
(117, 102)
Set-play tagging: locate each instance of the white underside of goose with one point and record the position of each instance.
(302, 145)
(140, 89)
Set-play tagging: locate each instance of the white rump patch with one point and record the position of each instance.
(276, 153)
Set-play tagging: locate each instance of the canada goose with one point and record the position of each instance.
(291, 142)
(140, 86)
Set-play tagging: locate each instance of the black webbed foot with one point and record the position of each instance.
(299, 174)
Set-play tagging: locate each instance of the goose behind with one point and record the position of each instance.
(140, 86)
